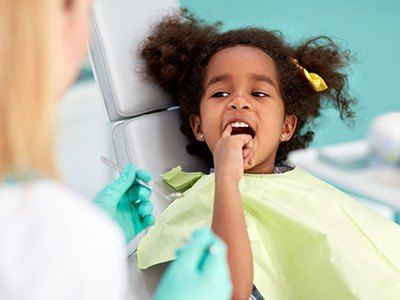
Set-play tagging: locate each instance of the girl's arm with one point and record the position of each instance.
(229, 223)
(228, 218)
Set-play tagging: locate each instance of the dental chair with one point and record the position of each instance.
(145, 120)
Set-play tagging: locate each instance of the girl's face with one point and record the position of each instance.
(241, 89)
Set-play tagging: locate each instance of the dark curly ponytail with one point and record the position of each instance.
(169, 52)
(322, 56)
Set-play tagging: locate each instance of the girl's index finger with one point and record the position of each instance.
(227, 131)
(245, 139)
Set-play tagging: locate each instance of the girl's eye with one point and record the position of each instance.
(259, 94)
(220, 94)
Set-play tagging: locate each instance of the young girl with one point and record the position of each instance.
(246, 100)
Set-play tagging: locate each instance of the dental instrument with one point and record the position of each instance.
(170, 197)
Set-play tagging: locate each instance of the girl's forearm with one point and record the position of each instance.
(229, 223)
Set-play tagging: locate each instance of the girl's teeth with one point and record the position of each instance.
(239, 124)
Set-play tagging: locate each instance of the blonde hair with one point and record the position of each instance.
(27, 86)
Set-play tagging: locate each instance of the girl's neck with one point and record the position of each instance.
(261, 169)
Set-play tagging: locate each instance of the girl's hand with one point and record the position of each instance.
(232, 155)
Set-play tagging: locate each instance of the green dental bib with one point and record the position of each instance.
(309, 240)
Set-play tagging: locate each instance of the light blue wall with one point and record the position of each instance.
(371, 29)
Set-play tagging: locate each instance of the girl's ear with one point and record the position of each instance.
(195, 123)
(288, 127)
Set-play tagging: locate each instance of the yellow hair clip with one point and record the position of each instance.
(316, 81)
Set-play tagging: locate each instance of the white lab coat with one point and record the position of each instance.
(55, 245)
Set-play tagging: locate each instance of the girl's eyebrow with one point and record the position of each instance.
(218, 78)
(265, 78)
(255, 77)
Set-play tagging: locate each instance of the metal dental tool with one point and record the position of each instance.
(170, 197)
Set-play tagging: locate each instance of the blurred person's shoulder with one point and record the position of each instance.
(53, 202)
(46, 228)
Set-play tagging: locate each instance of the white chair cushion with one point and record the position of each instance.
(118, 29)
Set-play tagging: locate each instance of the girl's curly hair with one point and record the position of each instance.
(177, 53)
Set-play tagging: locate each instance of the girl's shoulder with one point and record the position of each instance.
(295, 176)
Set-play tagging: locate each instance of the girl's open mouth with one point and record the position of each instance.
(242, 128)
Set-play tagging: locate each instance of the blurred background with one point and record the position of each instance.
(368, 28)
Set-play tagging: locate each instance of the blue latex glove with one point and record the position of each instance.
(127, 202)
(200, 271)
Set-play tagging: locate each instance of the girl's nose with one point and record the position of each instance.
(233, 106)
(239, 102)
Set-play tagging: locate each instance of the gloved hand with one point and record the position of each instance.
(127, 202)
(200, 271)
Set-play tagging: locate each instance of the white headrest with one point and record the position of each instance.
(118, 29)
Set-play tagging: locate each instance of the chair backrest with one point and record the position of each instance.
(146, 129)
(118, 29)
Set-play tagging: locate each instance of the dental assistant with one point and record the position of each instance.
(53, 243)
